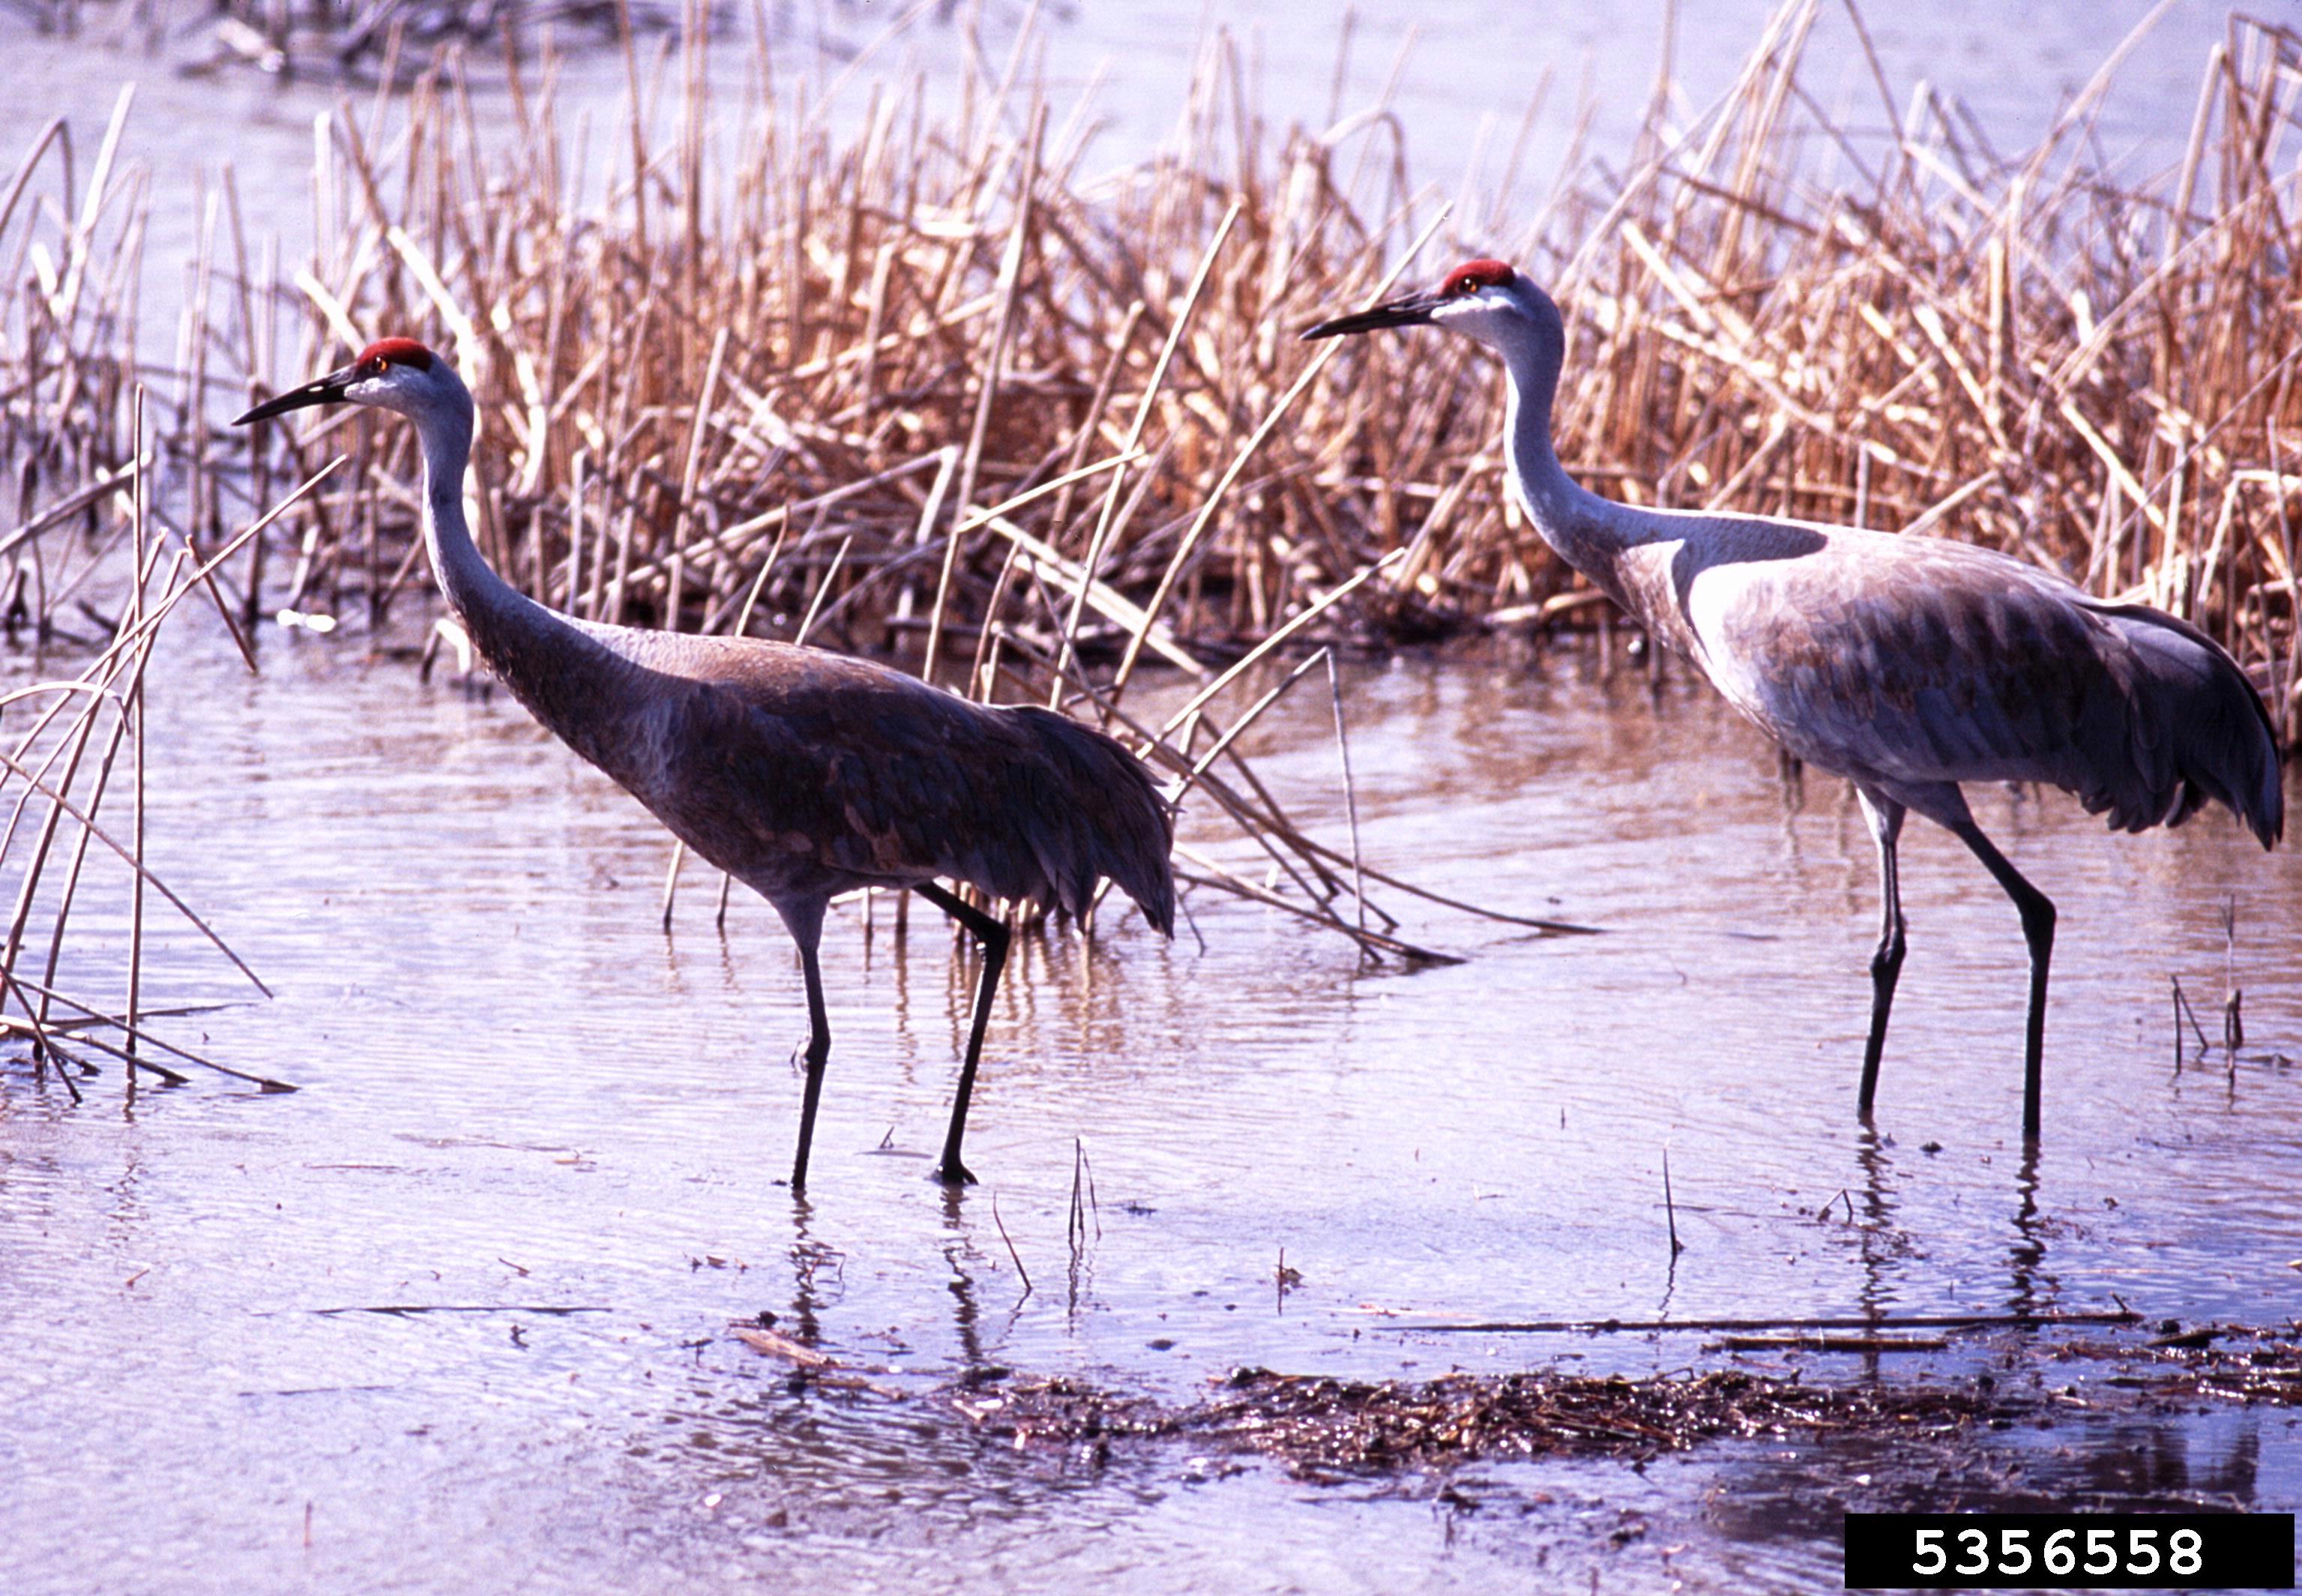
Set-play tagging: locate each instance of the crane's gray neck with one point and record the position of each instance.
(554, 665)
(1588, 532)
(444, 431)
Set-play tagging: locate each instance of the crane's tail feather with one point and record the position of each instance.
(1102, 816)
(2200, 730)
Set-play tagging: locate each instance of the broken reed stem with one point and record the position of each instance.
(1350, 789)
(2182, 1008)
(49, 759)
(1670, 1207)
(2233, 1025)
(133, 714)
(671, 883)
(1182, 319)
(1012, 1253)
(90, 1018)
(1084, 1211)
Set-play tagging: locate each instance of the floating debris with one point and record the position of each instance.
(1321, 1424)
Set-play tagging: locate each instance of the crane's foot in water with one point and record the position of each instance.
(950, 1172)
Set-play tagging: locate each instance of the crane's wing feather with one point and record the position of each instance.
(1916, 661)
(805, 771)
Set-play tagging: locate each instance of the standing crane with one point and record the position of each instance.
(1906, 665)
(802, 773)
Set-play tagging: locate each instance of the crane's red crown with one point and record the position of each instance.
(1472, 276)
(395, 351)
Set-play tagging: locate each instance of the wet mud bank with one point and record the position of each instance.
(1942, 1425)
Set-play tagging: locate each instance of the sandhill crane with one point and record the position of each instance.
(1906, 665)
(802, 773)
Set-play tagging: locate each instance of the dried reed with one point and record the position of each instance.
(694, 419)
(70, 249)
(781, 337)
(1766, 314)
(79, 474)
(55, 777)
(926, 384)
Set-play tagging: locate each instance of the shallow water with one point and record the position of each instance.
(524, 1102)
(520, 1094)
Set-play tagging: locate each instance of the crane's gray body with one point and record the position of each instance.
(806, 773)
(802, 773)
(1907, 665)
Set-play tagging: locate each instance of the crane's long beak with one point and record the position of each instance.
(1413, 311)
(328, 390)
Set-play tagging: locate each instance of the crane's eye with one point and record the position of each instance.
(378, 366)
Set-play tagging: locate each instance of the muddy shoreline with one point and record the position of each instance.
(1415, 1435)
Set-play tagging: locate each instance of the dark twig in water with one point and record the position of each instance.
(2184, 1009)
(89, 1017)
(2233, 1027)
(1833, 1344)
(1910, 1322)
(1010, 1241)
(172, 1077)
(403, 1309)
(1350, 789)
(47, 758)
(1671, 1208)
(1085, 1211)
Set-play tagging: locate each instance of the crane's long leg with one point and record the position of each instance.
(1886, 817)
(2038, 930)
(993, 935)
(807, 930)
